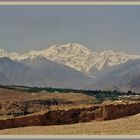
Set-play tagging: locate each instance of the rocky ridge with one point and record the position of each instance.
(71, 115)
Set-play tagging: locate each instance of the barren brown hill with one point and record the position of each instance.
(15, 103)
(59, 115)
(44, 109)
(13, 95)
(124, 126)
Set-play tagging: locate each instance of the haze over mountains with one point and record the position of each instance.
(123, 77)
(71, 66)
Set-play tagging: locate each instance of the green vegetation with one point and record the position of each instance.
(98, 94)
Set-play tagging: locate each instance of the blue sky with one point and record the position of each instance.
(23, 28)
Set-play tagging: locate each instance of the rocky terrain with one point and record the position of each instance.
(59, 115)
(22, 109)
(123, 126)
(16, 103)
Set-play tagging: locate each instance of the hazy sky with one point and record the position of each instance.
(23, 28)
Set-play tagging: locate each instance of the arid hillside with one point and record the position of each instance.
(13, 95)
(124, 126)
(65, 113)
(16, 103)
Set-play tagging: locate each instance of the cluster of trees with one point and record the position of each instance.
(98, 94)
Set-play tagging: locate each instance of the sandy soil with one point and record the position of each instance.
(124, 126)
(12, 95)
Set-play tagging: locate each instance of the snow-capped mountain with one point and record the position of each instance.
(4, 53)
(123, 77)
(76, 56)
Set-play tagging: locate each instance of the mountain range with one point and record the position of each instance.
(123, 77)
(71, 66)
(40, 72)
(76, 56)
